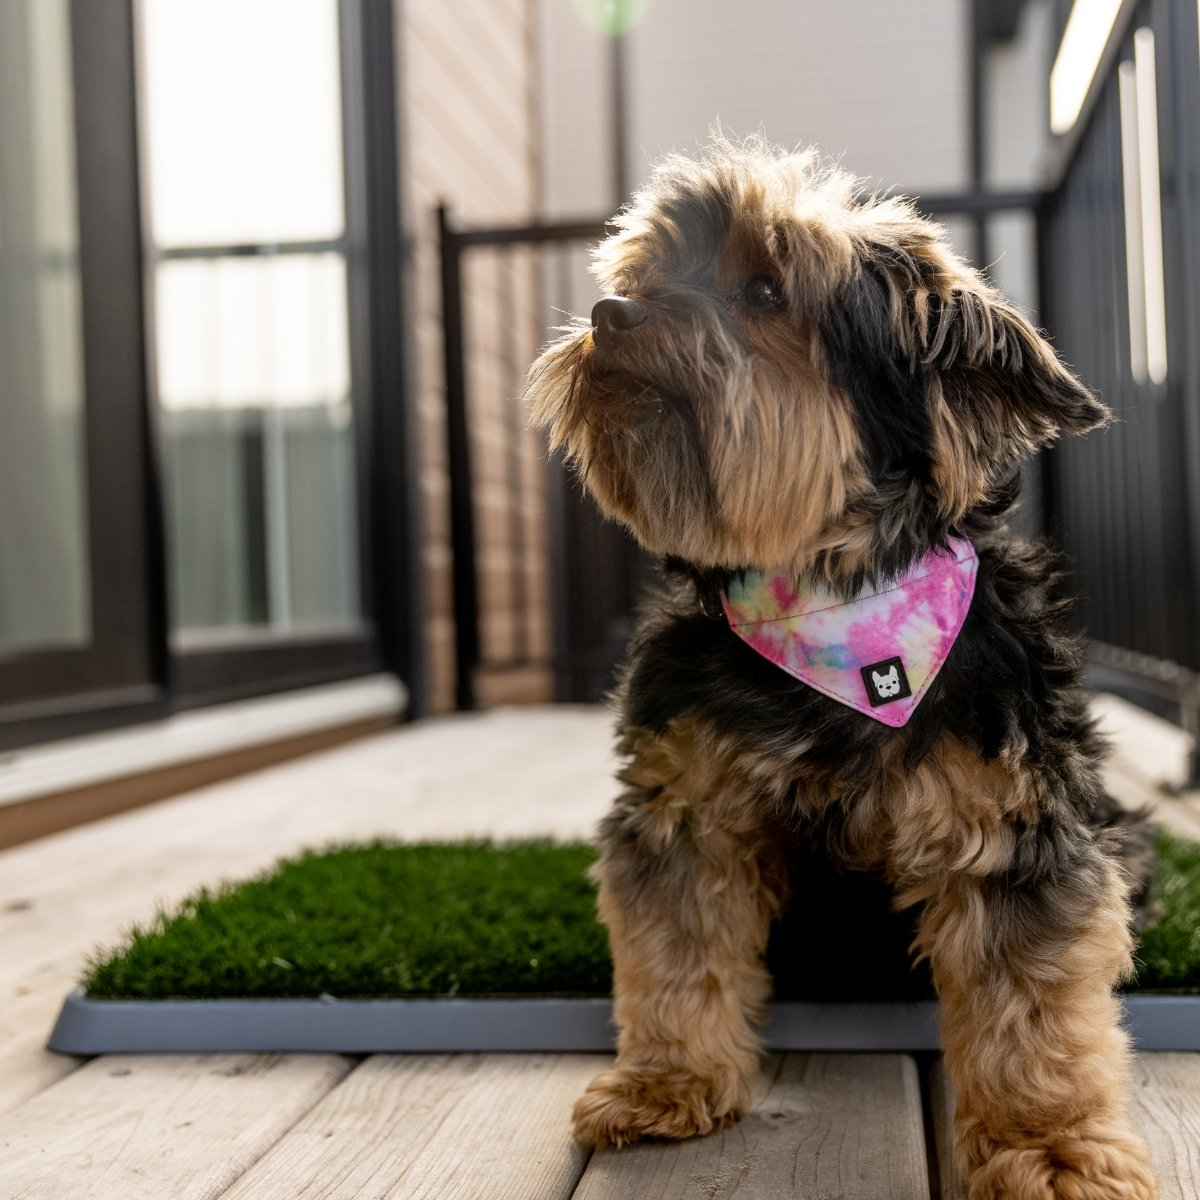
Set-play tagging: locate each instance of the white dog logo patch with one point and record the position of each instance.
(886, 681)
(886, 685)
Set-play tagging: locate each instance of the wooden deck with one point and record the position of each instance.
(247, 1127)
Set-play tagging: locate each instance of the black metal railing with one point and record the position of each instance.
(593, 568)
(596, 571)
(1126, 503)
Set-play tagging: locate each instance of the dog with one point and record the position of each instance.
(813, 411)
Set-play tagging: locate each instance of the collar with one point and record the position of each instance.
(877, 652)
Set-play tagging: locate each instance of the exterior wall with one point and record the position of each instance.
(507, 117)
(882, 86)
(468, 78)
(1018, 142)
(1019, 101)
(577, 116)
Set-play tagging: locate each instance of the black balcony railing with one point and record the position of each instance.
(595, 571)
(1125, 504)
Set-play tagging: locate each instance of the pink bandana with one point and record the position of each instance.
(878, 652)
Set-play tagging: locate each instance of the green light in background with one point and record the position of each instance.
(611, 17)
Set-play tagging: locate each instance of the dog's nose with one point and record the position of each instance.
(616, 314)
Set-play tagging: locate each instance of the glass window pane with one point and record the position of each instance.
(260, 505)
(254, 383)
(252, 332)
(243, 115)
(242, 109)
(45, 598)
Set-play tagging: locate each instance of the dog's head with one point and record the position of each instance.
(789, 374)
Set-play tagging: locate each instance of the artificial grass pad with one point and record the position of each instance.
(1168, 955)
(380, 919)
(518, 918)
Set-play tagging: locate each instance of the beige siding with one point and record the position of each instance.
(882, 86)
(468, 72)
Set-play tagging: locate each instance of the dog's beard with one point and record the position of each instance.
(632, 430)
(708, 451)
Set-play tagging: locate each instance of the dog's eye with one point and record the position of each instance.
(763, 292)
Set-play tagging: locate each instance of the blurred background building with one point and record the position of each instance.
(271, 273)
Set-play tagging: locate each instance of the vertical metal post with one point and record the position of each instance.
(458, 434)
(276, 520)
(387, 448)
(514, 431)
(977, 147)
(1185, 89)
(619, 77)
(563, 615)
(1047, 518)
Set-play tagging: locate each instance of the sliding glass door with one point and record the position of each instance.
(202, 431)
(77, 561)
(45, 585)
(243, 114)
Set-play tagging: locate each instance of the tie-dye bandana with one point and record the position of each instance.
(878, 652)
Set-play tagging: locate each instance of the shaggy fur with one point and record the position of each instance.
(790, 375)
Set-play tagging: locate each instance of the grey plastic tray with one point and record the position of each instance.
(87, 1026)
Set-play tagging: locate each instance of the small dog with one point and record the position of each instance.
(812, 409)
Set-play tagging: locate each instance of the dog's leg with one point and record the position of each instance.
(688, 881)
(1025, 960)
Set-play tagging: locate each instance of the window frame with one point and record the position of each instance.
(132, 671)
(121, 675)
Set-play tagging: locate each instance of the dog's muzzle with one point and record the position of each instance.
(615, 315)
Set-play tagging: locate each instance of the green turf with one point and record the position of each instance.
(518, 919)
(420, 920)
(1168, 956)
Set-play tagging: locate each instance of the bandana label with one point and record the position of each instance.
(886, 682)
(878, 652)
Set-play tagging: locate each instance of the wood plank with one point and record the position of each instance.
(828, 1126)
(503, 773)
(941, 1102)
(27, 820)
(454, 1127)
(1149, 746)
(1179, 816)
(506, 774)
(131, 1127)
(26, 1066)
(1164, 1106)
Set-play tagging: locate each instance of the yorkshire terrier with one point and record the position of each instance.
(812, 409)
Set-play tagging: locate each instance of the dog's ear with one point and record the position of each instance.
(989, 357)
(995, 389)
(947, 364)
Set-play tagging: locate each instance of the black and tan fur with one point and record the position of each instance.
(792, 375)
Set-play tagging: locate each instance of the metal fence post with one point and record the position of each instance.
(462, 515)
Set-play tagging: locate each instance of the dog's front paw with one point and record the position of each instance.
(625, 1105)
(1110, 1168)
